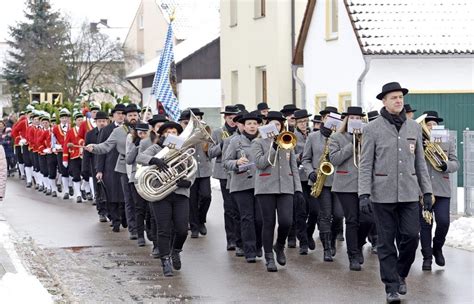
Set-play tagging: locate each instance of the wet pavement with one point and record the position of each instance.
(81, 260)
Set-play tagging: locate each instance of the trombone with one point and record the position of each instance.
(286, 140)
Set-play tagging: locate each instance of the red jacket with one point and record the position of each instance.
(19, 129)
(59, 134)
(85, 127)
(72, 137)
(44, 140)
(32, 138)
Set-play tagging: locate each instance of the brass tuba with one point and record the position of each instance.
(433, 152)
(154, 185)
(324, 170)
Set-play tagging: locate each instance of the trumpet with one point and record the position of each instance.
(356, 146)
(286, 141)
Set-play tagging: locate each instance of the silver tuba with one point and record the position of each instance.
(154, 185)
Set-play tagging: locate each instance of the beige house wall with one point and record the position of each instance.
(259, 42)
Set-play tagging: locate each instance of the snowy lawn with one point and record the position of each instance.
(461, 234)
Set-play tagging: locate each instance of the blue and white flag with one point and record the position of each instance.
(161, 88)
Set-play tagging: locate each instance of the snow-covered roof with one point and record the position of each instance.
(183, 50)
(190, 14)
(413, 26)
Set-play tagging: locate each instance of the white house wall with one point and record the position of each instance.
(331, 67)
(200, 93)
(418, 74)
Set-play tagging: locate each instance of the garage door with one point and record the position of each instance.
(456, 109)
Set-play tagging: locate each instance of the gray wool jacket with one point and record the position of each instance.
(239, 146)
(341, 156)
(143, 158)
(392, 165)
(283, 178)
(440, 180)
(299, 149)
(216, 152)
(116, 140)
(313, 150)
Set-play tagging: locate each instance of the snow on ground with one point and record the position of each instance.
(19, 287)
(461, 234)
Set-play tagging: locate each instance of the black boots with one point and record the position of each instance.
(202, 229)
(176, 259)
(326, 241)
(292, 242)
(311, 243)
(439, 258)
(304, 250)
(155, 253)
(333, 244)
(270, 262)
(354, 263)
(426, 264)
(402, 288)
(393, 297)
(167, 268)
(280, 254)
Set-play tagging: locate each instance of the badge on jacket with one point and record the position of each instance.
(412, 148)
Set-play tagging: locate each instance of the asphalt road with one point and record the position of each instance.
(87, 263)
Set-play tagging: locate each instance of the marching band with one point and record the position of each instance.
(382, 175)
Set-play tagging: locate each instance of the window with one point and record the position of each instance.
(332, 27)
(235, 87)
(140, 22)
(261, 84)
(320, 102)
(345, 100)
(233, 13)
(259, 10)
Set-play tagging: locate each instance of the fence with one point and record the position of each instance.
(468, 147)
(453, 177)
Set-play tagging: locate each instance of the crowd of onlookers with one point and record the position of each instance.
(6, 142)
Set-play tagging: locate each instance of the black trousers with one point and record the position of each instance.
(19, 154)
(390, 219)
(313, 214)
(52, 161)
(358, 225)
(199, 202)
(300, 215)
(330, 213)
(251, 221)
(129, 203)
(36, 162)
(282, 204)
(74, 166)
(231, 213)
(27, 158)
(141, 206)
(150, 223)
(441, 216)
(63, 170)
(116, 212)
(171, 214)
(43, 163)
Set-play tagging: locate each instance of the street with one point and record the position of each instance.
(81, 260)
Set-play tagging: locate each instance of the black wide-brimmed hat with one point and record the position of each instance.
(157, 118)
(432, 115)
(131, 108)
(250, 116)
(408, 108)
(168, 125)
(240, 106)
(354, 111)
(289, 109)
(300, 114)
(262, 106)
(328, 109)
(120, 107)
(317, 118)
(230, 110)
(185, 115)
(142, 126)
(275, 115)
(197, 112)
(101, 115)
(391, 87)
(373, 115)
(239, 115)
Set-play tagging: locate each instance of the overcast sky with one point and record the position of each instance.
(119, 13)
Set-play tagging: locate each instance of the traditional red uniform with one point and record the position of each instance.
(19, 130)
(85, 127)
(60, 136)
(72, 137)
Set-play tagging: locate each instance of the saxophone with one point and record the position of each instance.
(325, 169)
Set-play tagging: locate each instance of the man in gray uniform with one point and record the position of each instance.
(392, 172)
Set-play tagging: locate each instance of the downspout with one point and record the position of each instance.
(293, 85)
(295, 68)
(138, 90)
(361, 80)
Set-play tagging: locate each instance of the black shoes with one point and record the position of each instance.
(311, 243)
(141, 242)
(326, 241)
(194, 234)
(176, 259)
(28, 185)
(402, 288)
(239, 252)
(251, 259)
(354, 263)
(116, 228)
(89, 196)
(133, 236)
(48, 192)
(167, 268)
(102, 218)
(393, 297)
(304, 250)
(66, 196)
(203, 229)
(333, 245)
(340, 237)
(439, 258)
(270, 262)
(292, 242)
(83, 195)
(426, 264)
(79, 199)
(360, 257)
(155, 253)
(71, 191)
(259, 252)
(280, 254)
(54, 194)
(231, 246)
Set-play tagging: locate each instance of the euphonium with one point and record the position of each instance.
(325, 169)
(433, 152)
(153, 184)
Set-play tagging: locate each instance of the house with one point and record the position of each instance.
(350, 48)
(257, 41)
